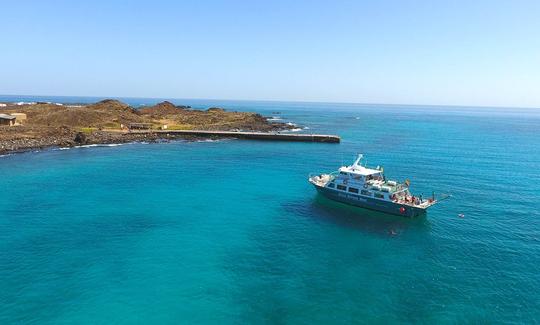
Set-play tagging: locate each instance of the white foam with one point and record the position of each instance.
(101, 145)
(274, 118)
(212, 140)
(93, 146)
(296, 130)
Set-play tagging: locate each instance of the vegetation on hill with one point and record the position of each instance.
(61, 125)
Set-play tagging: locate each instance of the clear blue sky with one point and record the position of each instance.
(411, 52)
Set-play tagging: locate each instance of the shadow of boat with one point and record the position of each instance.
(323, 209)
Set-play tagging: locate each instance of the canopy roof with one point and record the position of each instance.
(7, 117)
(360, 170)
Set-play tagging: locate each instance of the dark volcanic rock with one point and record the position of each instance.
(80, 138)
(216, 109)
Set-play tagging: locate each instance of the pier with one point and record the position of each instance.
(269, 136)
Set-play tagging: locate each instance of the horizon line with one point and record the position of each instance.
(287, 101)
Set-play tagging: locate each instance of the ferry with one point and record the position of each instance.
(368, 188)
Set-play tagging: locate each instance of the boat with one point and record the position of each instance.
(365, 187)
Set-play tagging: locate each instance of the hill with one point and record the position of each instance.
(64, 125)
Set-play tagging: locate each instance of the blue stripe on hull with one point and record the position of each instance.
(370, 203)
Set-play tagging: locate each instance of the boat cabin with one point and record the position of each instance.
(370, 182)
(361, 173)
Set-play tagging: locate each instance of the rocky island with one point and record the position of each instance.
(41, 125)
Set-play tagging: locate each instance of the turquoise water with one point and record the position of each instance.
(231, 232)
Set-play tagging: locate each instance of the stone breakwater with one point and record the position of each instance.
(266, 136)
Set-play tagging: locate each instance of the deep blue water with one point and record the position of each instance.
(231, 232)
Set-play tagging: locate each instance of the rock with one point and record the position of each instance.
(216, 109)
(80, 138)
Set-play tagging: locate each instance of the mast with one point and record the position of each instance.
(357, 161)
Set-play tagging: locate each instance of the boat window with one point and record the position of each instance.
(378, 195)
(364, 192)
(331, 185)
(343, 173)
(353, 190)
(342, 187)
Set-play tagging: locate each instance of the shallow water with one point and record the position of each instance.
(230, 231)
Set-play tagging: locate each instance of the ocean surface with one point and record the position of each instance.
(231, 232)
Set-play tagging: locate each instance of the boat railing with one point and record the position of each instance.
(423, 201)
(322, 178)
(332, 174)
(433, 199)
(441, 196)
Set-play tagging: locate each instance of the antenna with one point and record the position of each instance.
(358, 161)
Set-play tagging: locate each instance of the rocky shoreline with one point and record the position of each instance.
(50, 125)
(79, 139)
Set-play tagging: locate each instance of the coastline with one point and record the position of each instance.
(42, 125)
(114, 137)
(97, 139)
(107, 144)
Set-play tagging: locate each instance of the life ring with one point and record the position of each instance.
(365, 185)
(402, 210)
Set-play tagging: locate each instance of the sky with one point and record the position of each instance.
(481, 53)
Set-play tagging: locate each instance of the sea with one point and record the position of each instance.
(231, 232)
